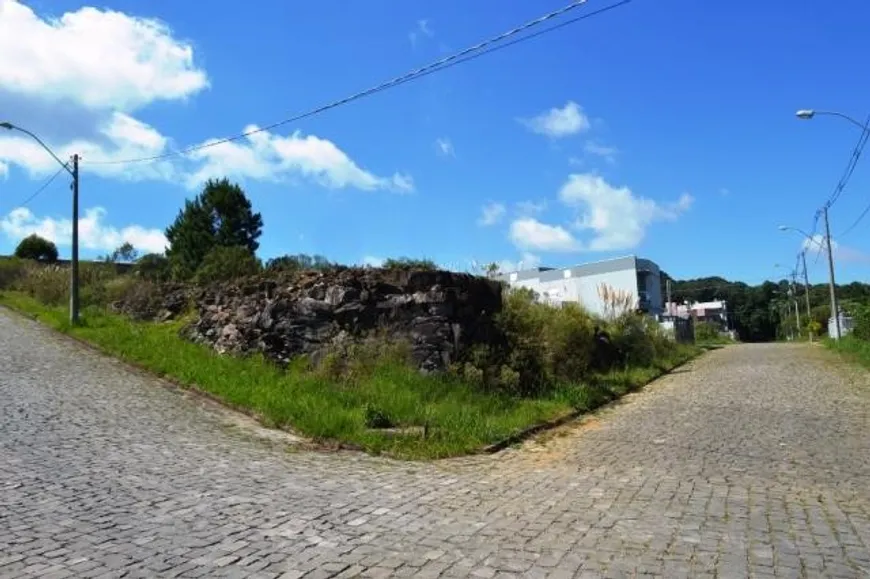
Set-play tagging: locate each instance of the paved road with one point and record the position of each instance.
(753, 459)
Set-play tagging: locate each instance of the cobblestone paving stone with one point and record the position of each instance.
(751, 461)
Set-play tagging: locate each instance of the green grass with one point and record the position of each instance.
(458, 418)
(851, 348)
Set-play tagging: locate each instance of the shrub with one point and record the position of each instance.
(36, 248)
(11, 270)
(861, 315)
(47, 284)
(410, 263)
(227, 263)
(152, 267)
(706, 332)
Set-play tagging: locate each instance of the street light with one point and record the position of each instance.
(835, 310)
(792, 292)
(807, 114)
(74, 258)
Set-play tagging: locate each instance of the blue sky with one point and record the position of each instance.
(664, 129)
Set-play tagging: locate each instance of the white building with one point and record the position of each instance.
(639, 278)
(715, 311)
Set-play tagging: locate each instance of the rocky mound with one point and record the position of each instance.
(439, 313)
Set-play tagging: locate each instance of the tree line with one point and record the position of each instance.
(215, 236)
(765, 312)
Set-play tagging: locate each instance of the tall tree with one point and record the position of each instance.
(36, 248)
(220, 216)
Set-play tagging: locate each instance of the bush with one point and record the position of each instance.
(152, 267)
(410, 263)
(36, 248)
(861, 315)
(11, 270)
(707, 332)
(227, 263)
(47, 284)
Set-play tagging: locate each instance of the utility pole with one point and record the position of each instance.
(668, 291)
(835, 310)
(797, 313)
(807, 291)
(74, 261)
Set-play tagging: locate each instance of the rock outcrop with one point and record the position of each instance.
(440, 314)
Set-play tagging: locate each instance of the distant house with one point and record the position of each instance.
(715, 312)
(639, 279)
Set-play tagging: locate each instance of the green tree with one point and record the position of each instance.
(153, 267)
(298, 262)
(36, 248)
(410, 263)
(227, 263)
(220, 216)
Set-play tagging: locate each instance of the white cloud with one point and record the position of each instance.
(4, 170)
(444, 147)
(372, 261)
(530, 234)
(126, 137)
(267, 156)
(603, 151)
(491, 213)
(556, 123)
(526, 261)
(75, 81)
(99, 58)
(422, 29)
(617, 218)
(93, 232)
(841, 252)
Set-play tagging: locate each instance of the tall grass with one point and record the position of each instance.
(370, 397)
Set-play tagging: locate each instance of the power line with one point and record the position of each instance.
(41, 188)
(475, 51)
(850, 166)
(857, 221)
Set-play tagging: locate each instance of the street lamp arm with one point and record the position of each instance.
(808, 114)
(10, 126)
(804, 233)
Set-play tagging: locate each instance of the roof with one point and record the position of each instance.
(597, 267)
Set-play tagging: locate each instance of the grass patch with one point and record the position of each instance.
(456, 417)
(851, 348)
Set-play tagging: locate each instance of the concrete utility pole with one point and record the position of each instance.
(668, 291)
(74, 261)
(835, 308)
(807, 292)
(807, 114)
(828, 246)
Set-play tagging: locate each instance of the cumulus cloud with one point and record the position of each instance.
(77, 79)
(269, 156)
(841, 253)
(559, 122)
(530, 234)
(617, 218)
(526, 261)
(373, 261)
(94, 233)
(491, 213)
(444, 147)
(99, 58)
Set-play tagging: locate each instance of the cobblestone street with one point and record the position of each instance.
(752, 460)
